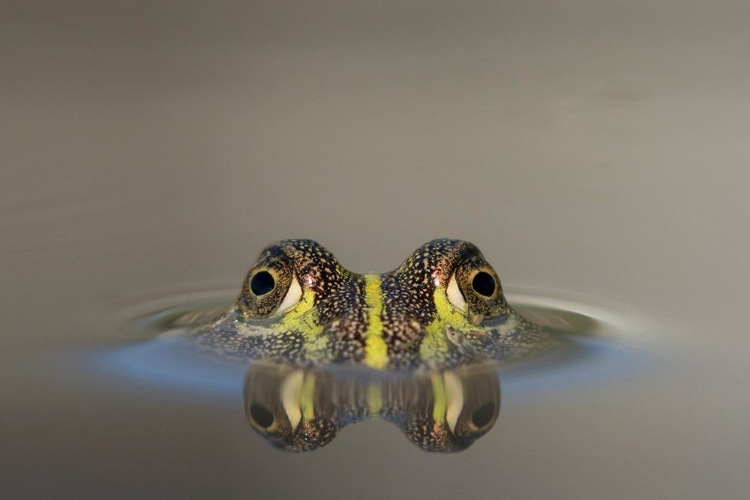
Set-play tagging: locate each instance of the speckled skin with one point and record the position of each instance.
(403, 319)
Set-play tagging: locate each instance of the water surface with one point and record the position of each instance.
(596, 152)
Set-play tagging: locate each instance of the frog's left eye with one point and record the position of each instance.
(262, 283)
(270, 288)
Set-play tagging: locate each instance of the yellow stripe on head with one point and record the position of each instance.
(376, 350)
(303, 318)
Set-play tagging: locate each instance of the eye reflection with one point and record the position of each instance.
(483, 415)
(303, 409)
(261, 416)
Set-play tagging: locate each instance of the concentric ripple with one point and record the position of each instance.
(596, 334)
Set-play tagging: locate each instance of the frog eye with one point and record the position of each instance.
(475, 289)
(481, 284)
(262, 283)
(269, 289)
(484, 284)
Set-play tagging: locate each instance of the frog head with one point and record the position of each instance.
(444, 306)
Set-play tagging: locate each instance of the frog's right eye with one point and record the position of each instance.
(484, 284)
(270, 288)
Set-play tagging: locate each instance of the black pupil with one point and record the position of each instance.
(483, 415)
(484, 284)
(261, 416)
(262, 283)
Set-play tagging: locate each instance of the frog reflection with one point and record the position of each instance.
(299, 409)
(443, 307)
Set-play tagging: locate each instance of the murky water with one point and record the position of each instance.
(596, 153)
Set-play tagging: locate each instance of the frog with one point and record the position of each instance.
(443, 307)
(303, 409)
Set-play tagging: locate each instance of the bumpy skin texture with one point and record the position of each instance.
(443, 307)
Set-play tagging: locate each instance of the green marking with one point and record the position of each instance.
(440, 397)
(304, 318)
(307, 398)
(435, 344)
(376, 350)
(374, 398)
